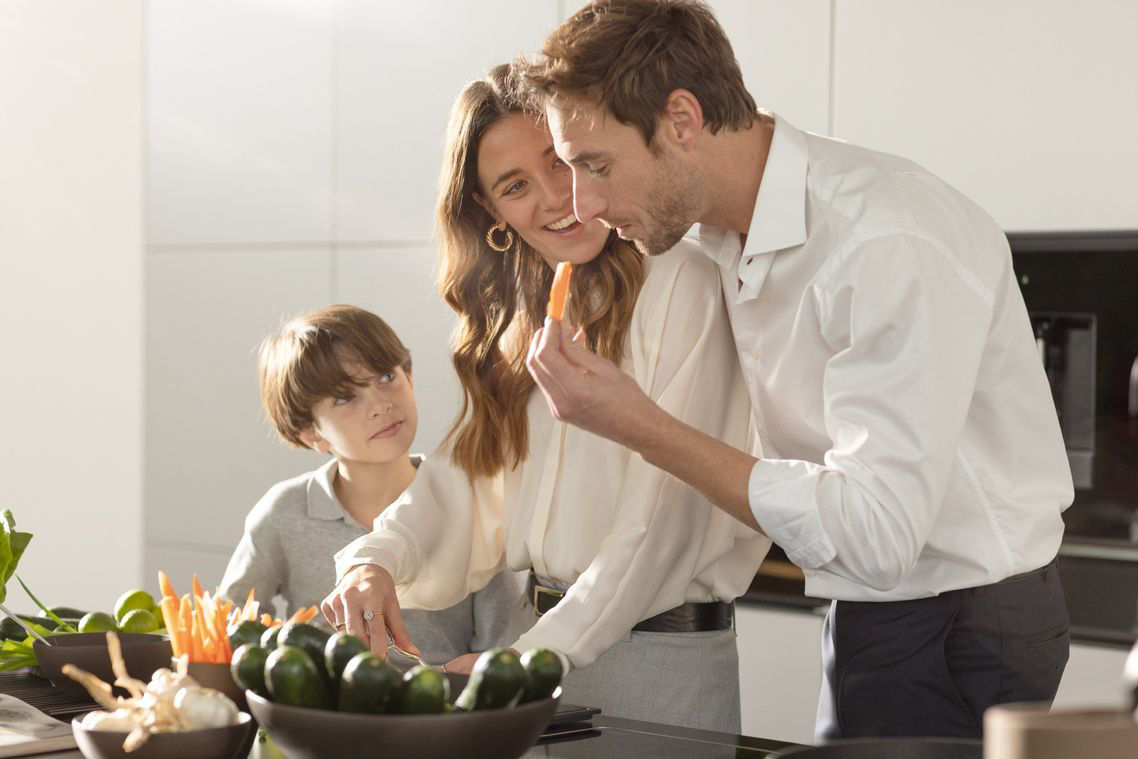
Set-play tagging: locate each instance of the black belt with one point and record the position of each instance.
(688, 617)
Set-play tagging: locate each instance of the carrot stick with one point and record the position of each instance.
(559, 291)
(248, 604)
(310, 614)
(197, 650)
(197, 588)
(185, 621)
(170, 617)
(166, 586)
(267, 620)
(296, 616)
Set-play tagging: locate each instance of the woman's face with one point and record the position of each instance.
(525, 184)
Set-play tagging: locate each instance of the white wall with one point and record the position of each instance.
(71, 293)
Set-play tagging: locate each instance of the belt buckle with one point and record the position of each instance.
(538, 591)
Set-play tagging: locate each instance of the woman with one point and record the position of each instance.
(632, 572)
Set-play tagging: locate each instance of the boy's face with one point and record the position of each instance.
(650, 195)
(374, 424)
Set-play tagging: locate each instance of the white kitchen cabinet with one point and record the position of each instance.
(399, 67)
(239, 118)
(1026, 106)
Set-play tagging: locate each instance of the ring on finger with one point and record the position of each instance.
(369, 615)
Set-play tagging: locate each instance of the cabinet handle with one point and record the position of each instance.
(1132, 398)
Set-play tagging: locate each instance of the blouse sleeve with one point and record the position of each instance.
(442, 540)
(683, 356)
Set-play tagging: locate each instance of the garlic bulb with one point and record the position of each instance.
(199, 708)
(120, 720)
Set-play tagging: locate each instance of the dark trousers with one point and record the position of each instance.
(931, 666)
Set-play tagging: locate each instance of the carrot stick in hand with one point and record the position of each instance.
(559, 292)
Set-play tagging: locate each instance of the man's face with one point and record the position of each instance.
(650, 195)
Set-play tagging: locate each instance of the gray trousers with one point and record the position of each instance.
(686, 679)
(931, 666)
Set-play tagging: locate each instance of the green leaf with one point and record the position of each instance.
(63, 626)
(12, 547)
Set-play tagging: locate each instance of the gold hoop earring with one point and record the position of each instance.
(501, 247)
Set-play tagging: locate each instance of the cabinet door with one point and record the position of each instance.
(1026, 107)
(780, 671)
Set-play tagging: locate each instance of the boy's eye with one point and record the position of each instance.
(385, 378)
(343, 399)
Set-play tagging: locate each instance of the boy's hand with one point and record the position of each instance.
(463, 665)
(368, 588)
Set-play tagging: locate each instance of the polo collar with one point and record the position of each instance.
(321, 493)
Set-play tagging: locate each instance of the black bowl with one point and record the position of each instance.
(142, 653)
(219, 677)
(317, 734)
(888, 748)
(229, 742)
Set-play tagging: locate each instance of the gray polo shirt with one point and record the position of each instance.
(286, 551)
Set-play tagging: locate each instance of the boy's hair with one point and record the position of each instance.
(629, 55)
(302, 364)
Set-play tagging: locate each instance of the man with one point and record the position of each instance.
(912, 464)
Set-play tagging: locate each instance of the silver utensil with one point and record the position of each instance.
(24, 625)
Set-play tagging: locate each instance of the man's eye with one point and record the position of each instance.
(599, 171)
(559, 164)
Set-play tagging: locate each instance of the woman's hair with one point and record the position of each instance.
(501, 298)
(303, 363)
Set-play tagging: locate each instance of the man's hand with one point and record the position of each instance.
(587, 390)
(367, 587)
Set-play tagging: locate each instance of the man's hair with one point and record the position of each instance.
(629, 55)
(302, 364)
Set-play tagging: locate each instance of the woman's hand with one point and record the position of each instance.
(368, 588)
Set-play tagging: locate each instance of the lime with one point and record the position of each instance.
(139, 621)
(97, 622)
(131, 600)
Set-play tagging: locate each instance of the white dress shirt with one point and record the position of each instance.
(633, 540)
(911, 444)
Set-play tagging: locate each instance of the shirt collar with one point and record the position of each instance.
(779, 218)
(322, 501)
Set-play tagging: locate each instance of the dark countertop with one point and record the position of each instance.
(615, 737)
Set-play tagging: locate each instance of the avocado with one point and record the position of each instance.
(293, 679)
(543, 674)
(310, 639)
(248, 631)
(269, 638)
(495, 682)
(248, 668)
(368, 684)
(338, 651)
(424, 691)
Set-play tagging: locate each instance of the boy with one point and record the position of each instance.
(338, 380)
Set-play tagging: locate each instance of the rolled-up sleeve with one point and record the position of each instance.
(443, 539)
(907, 324)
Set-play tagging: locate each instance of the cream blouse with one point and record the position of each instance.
(631, 539)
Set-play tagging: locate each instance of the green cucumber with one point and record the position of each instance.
(293, 679)
(495, 682)
(368, 684)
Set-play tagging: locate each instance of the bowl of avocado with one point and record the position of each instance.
(317, 707)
